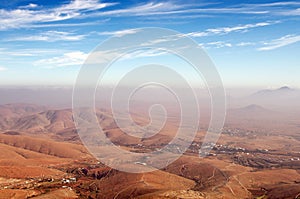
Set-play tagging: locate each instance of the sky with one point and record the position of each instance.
(252, 43)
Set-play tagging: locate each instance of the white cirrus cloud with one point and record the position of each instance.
(22, 17)
(151, 8)
(242, 44)
(170, 8)
(213, 32)
(92, 23)
(281, 42)
(227, 30)
(80, 5)
(295, 12)
(75, 58)
(119, 33)
(31, 5)
(167, 8)
(144, 53)
(33, 14)
(275, 4)
(217, 44)
(50, 36)
(2, 68)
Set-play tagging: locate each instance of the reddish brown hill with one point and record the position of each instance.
(205, 175)
(10, 112)
(58, 149)
(16, 110)
(48, 121)
(55, 124)
(26, 157)
(117, 184)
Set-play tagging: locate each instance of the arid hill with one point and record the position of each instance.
(42, 157)
(43, 146)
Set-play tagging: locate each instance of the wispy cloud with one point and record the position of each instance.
(295, 12)
(98, 57)
(281, 42)
(246, 27)
(241, 44)
(33, 14)
(29, 6)
(217, 44)
(213, 32)
(171, 8)
(2, 68)
(226, 30)
(21, 17)
(92, 23)
(29, 52)
(119, 33)
(281, 8)
(275, 4)
(7, 53)
(50, 36)
(144, 53)
(75, 58)
(83, 5)
(147, 9)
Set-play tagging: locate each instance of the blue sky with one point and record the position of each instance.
(253, 43)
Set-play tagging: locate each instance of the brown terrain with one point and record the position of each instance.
(42, 157)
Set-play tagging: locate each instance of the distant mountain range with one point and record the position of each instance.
(284, 98)
(283, 91)
(254, 108)
(251, 111)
